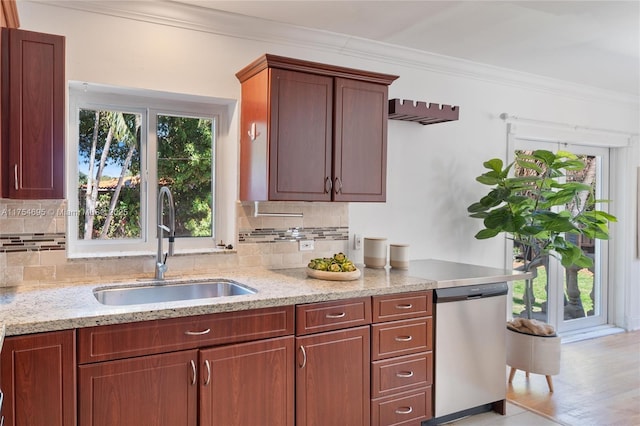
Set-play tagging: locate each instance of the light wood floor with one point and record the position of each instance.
(598, 384)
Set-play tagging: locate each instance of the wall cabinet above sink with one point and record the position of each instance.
(312, 132)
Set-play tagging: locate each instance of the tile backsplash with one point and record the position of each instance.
(33, 240)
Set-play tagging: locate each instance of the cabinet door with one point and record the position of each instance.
(332, 378)
(155, 390)
(360, 141)
(38, 380)
(301, 107)
(33, 115)
(248, 384)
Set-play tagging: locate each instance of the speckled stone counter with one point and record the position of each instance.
(60, 307)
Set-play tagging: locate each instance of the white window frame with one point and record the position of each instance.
(149, 104)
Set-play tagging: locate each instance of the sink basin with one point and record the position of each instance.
(169, 292)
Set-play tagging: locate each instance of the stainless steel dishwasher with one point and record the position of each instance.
(470, 356)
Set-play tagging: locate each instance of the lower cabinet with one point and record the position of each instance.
(332, 379)
(158, 390)
(355, 362)
(37, 377)
(248, 384)
(333, 353)
(223, 369)
(241, 384)
(402, 354)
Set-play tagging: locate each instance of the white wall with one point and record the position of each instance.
(431, 169)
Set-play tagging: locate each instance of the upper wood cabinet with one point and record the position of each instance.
(312, 132)
(32, 122)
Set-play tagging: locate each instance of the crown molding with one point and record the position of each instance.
(186, 16)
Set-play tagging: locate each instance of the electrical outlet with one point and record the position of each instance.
(306, 245)
(357, 242)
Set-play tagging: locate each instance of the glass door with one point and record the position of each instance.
(574, 298)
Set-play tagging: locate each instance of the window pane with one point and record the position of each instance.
(185, 151)
(582, 287)
(108, 175)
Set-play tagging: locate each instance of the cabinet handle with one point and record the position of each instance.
(404, 374)
(197, 333)
(253, 133)
(208, 366)
(304, 357)
(404, 338)
(404, 410)
(194, 374)
(404, 306)
(328, 186)
(336, 316)
(15, 176)
(338, 185)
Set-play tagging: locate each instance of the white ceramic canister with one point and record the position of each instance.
(399, 256)
(375, 252)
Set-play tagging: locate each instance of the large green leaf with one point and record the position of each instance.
(477, 207)
(487, 233)
(494, 164)
(495, 197)
(547, 157)
(531, 165)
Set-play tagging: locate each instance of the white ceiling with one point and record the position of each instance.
(596, 43)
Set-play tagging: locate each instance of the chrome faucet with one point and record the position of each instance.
(161, 262)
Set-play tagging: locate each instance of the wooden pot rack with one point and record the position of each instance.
(419, 112)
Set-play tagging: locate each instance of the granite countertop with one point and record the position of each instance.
(59, 307)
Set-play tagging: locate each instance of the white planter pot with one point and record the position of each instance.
(533, 354)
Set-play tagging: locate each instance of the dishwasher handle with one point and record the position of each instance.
(461, 293)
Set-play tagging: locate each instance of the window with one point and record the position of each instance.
(125, 145)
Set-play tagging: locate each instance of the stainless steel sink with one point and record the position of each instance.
(161, 291)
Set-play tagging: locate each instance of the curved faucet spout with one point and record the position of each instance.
(161, 261)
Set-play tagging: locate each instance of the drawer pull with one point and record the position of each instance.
(404, 306)
(404, 338)
(404, 410)
(194, 375)
(404, 374)
(197, 333)
(336, 316)
(15, 176)
(208, 379)
(304, 357)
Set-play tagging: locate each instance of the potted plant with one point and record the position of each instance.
(541, 211)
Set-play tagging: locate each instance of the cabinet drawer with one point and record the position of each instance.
(401, 338)
(149, 337)
(325, 316)
(401, 374)
(402, 306)
(408, 408)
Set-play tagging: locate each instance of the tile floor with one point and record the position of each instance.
(515, 416)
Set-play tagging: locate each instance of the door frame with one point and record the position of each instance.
(556, 273)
